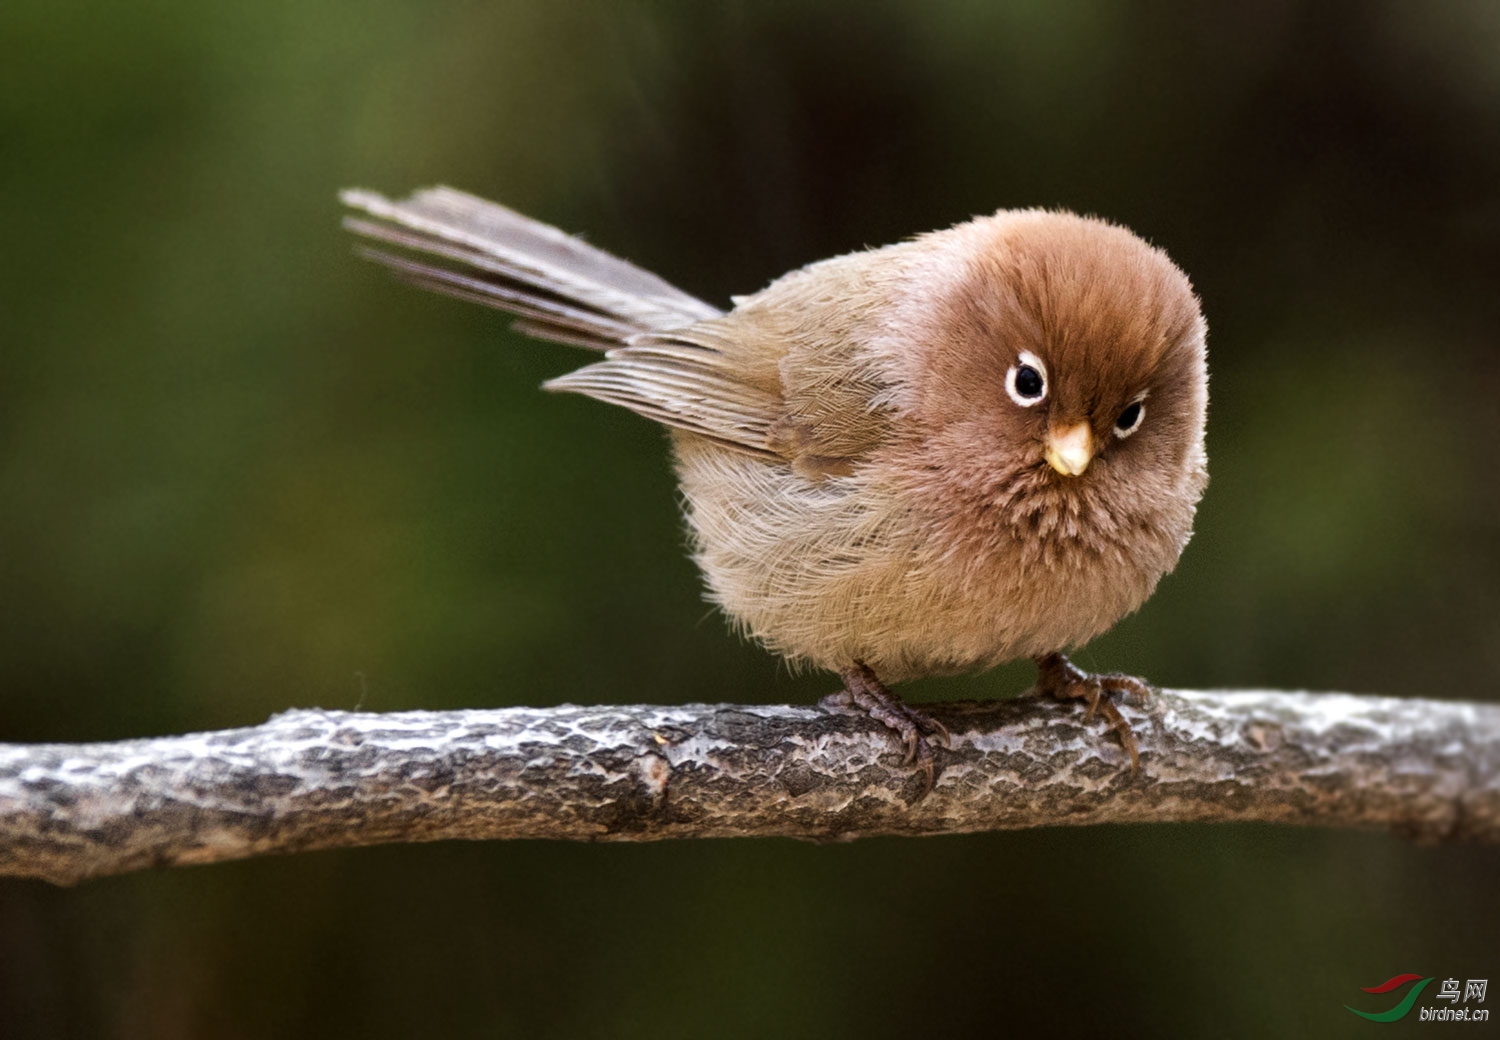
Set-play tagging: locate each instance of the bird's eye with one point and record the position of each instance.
(1130, 419)
(1026, 382)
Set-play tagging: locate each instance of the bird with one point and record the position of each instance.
(976, 445)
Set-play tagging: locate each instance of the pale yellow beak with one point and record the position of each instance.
(1070, 448)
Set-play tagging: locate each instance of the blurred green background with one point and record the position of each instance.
(242, 471)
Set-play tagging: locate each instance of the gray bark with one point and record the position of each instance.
(325, 779)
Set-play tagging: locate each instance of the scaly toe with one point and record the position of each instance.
(864, 692)
(1058, 677)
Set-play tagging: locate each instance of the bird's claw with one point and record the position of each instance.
(916, 730)
(1060, 678)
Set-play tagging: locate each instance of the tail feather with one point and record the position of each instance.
(663, 351)
(562, 288)
(540, 315)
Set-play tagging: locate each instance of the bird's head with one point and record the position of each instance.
(1062, 367)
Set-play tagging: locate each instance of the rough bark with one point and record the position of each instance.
(324, 779)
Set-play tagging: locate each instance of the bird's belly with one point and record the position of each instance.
(837, 571)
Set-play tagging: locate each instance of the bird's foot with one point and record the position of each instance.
(1058, 677)
(917, 730)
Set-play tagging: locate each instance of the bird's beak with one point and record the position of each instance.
(1070, 448)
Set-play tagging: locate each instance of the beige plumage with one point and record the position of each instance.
(870, 486)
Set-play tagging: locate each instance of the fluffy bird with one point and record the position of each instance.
(977, 445)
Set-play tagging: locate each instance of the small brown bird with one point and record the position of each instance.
(977, 445)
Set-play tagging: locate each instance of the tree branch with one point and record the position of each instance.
(327, 779)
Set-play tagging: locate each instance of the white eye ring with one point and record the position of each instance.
(1139, 404)
(1031, 361)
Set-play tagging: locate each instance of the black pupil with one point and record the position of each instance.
(1129, 417)
(1028, 382)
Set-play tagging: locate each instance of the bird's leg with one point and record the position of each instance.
(863, 691)
(1058, 677)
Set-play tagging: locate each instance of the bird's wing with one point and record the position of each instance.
(836, 391)
(786, 375)
(685, 381)
(834, 414)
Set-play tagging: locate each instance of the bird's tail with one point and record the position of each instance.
(560, 287)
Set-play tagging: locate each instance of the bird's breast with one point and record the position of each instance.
(855, 568)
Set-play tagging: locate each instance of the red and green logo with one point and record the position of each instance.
(1390, 986)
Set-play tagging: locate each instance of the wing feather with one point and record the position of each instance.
(684, 385)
